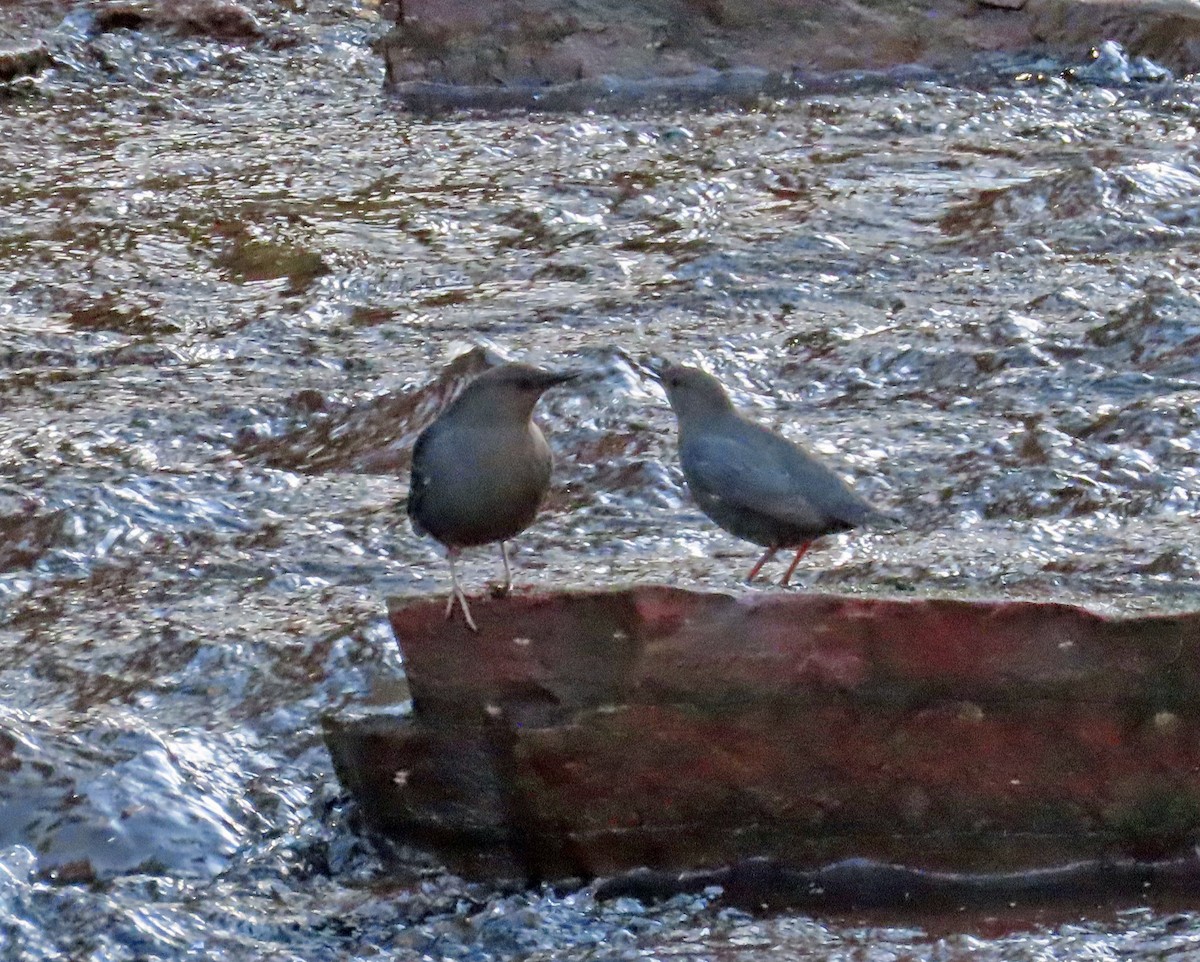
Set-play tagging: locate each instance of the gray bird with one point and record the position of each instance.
(754, 483)
(481, 470)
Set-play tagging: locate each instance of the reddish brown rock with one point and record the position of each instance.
(585, 734)
(542, 42)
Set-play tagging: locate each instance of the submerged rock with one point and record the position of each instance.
(374, 436)
(1157, 330)
(741, 87)
(23, 60)
(857, 884)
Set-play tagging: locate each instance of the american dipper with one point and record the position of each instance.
(754, 483)
(482, 469)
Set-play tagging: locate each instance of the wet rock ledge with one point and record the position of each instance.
(589, 734)
(549, 54)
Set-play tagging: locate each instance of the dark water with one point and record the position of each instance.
(224, 272)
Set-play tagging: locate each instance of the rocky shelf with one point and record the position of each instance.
(547, 54)
(586, 734)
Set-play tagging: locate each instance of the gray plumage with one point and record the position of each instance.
(482, 469)
(752, 482)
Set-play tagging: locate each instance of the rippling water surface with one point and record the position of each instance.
(229, 276)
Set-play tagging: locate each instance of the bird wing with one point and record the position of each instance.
(757, 470)
(419, 481)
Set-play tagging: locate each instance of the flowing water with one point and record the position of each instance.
(227, 275)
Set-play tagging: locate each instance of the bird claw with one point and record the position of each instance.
(458, 596)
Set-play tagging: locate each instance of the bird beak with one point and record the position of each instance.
(551, 378)
(652, 371)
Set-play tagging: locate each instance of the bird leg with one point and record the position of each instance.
(795, 561)
(507, 586)
(502, 591)
(456, 593)
(767, 556)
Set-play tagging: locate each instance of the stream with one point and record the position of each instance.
(225, 273)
